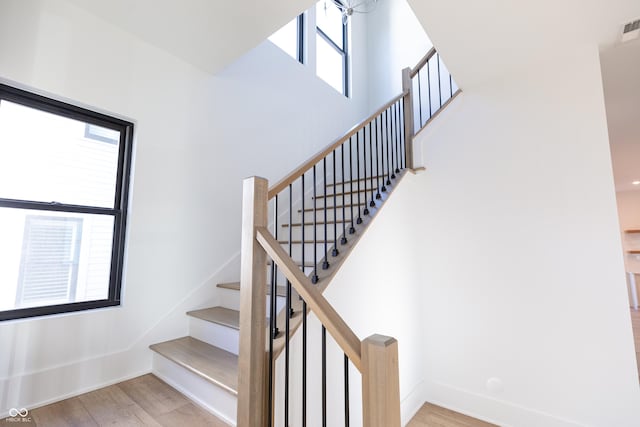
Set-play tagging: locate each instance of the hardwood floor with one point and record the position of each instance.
(435, 416)
(635, 323)
(148, 401)
(142, 401)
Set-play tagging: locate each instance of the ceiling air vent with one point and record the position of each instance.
(631, 31)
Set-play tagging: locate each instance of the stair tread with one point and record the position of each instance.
(297, 242)
(345, 193)
(338, 207)
(281, 291)
(368, 178)
(209, 362)
(299, 224)
(220, 315)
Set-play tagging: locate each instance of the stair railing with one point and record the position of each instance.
(363, 164)
(430, 87)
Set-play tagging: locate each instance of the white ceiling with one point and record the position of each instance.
(479, 40)
(207, 33)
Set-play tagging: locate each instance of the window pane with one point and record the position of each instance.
(49, 158)
(330, 64)
(286, 38)
(329, 20)
(53, 257)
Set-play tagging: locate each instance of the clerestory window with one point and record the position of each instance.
(332, 41)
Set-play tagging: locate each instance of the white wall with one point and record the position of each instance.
(522, 270)
(396, 40)
(197, 136)
(375, 291)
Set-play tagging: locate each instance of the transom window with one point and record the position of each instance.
(64, 177)
(290, 38)
(332, 59)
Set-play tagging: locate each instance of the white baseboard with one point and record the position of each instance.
(4, 412)
(412, 403)
(502, 413)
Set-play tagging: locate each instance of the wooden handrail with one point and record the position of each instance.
(422, 62)
(328, 316)
(297, 173)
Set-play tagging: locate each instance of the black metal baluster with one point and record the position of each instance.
(344, 222)
(389, 136)
(359, 220)
(429, 84)
(272, 319)
(324, 376)
(274, 273)
(351, 227)
(304, 326)
(289, 312)
(383, 131)
(372, 203)
(439, 80)
(314, 278)
(304, 363)
(346, 391)
(378, 133)
(420, 97)
(394, 135)
(325, 264)
(399, 128)
(335, 251)
(364, 161)
(402, 134)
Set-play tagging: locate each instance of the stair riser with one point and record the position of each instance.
(296, 232)
(297, 252)
(331, 215)
(215, 399)
(320, 203)
(230, 298)
(221, 336)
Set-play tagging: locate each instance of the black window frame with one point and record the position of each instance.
(118, 212)
(300, 33)
(344, 51)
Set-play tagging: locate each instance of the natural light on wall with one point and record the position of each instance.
(287, 38)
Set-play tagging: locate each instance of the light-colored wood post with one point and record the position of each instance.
(252, 375)
(407, 86)
(380, 382)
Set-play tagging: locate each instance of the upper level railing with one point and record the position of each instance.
(311, 216)
(432, 88)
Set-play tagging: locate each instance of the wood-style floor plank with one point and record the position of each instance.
(142, 401)
(435, 416)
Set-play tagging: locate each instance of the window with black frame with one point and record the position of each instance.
(332, 53)
(290, 38)
(64, 177)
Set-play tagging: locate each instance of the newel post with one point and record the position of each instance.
(407, 86)
(380, 382)
(252, 375)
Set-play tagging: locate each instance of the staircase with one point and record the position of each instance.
(317, 215)
(204, 364)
